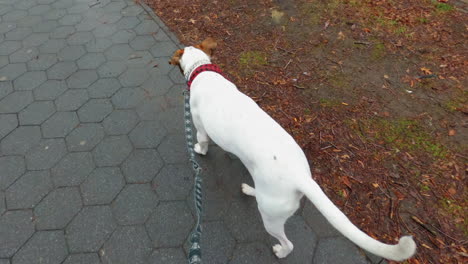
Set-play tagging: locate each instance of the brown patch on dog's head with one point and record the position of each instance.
(208, 46)
(175, 60)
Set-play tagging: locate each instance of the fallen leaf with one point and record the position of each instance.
(452, 191)
(426, 70)
(375, 185)
(341, 36)
(452, 132)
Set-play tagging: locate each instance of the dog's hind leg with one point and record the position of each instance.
(203, 141)
(247, 189)
(275, 227)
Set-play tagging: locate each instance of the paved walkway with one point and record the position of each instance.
(93, 166)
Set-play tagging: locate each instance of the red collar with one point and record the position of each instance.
(203, 68)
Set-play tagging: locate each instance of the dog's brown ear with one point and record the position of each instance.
(175, 60)
(208, 46)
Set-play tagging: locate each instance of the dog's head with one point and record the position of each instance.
(189, 55)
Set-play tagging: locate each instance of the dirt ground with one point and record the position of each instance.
(375, 92)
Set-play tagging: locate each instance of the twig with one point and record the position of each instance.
(285, 50)
(287, 64)
(362, 42)
(298, 87)
(418, 221)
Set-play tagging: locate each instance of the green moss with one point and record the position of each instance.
(401, 30)
(402, 134)
(423, 20)
(425, 188)
(252, 59)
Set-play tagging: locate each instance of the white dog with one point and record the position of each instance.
(279, 168)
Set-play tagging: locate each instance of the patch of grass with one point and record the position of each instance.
(329, 102)
(423, 20)
(403, 134)
(378, 51)
(252, 59)
(443, 7)
(457, 102)
(425, 188)
(401, 30)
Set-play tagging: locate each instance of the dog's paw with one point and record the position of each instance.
(280, 252)
(246, 189)
(198, 149)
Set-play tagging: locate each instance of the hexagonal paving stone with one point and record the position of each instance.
(120, 122)
(45, 154)
(2, 203)
(50, 90)
(30, 80)
(72, 169)
(21, 140)
(217, 243)
(127, 98)
(123, 36)
(142, 165)
(140, 59)
(8, 122)
(3, 60)
(59, 125)
(176, 76)
(169, 225)
(157, 85)
(91, 61)
(112, 151)
(104, 88)
(52, 46)
(85, 137)
(153, 108)
(102, 185)
(161, 67)
(18, 33)
(46, 246)
(9, 46)
(128, 23)
(160, 49)
(147, 134)
(43, 62)
(45, 26)
(24, 55)
(16, 228)
(98, 45)
(12, 71)
(134, 204)
(111, 69)
(142, 42)
(173, 182)
(62, 33)
(71, 100)
(90, 229)
(146, 27)
(128, 244)
(70, 20)
(317, 221)
(15, 15)
(39, 9)
(244, 222)
(83, 258)
(253, 253)
(54, 14)
(57, 208)
(6, 88)
(118, 52)
(167, 255)
(29, 21)
(11, 168)
(82, 79)
(28, 190)
(104, 30)
(36, 113)
(133, 77)
(61, 70)
(95, 110)
(80, 38)
(132, 10)
(337, 250)
(70, 53)
(35, 39)
(173, 149)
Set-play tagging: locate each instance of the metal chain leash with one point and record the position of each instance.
(195, 250)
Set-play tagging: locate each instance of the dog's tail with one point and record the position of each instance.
(405, 248)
